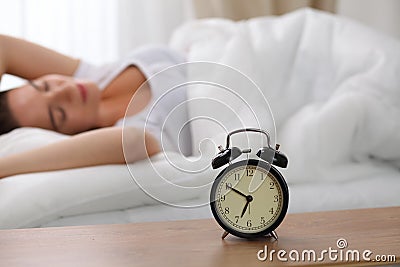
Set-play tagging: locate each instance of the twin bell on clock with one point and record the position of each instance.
(238, 207)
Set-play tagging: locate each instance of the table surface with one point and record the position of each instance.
(199, 243)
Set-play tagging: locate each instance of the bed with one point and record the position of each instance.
(333, 87)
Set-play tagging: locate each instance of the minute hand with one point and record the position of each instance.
(245, 208)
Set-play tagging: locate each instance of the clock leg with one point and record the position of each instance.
(274, 235)
(224, 234)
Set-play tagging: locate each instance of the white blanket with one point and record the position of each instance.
(333, 86)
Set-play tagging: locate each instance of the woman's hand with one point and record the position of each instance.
(97, 147)
(30, 61)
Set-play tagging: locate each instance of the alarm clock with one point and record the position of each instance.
(237, 209)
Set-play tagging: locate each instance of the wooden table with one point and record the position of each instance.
(199, 243)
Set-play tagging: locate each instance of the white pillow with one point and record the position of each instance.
(224, 100)
(22, 139)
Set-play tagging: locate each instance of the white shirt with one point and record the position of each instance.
(165, 117)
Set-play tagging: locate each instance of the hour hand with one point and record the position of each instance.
(237, 191)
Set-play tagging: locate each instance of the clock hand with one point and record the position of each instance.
(249, 199)
(237, 191)
(244, 209)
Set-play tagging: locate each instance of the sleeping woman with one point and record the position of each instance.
(72, 97)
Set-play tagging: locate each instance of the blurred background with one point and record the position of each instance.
(103, 30)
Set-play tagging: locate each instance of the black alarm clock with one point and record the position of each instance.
(237, 210)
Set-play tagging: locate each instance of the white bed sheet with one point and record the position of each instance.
(371, 192)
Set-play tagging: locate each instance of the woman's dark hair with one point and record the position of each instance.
(7, 120)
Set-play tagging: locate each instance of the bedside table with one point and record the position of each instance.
(371, 232)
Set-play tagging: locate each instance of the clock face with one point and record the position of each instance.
(249, 198)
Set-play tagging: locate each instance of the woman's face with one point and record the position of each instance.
(56, 102)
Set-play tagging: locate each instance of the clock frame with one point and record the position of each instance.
(240, 223)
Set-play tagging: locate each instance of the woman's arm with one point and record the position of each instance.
(97, 147)
(29, 61)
